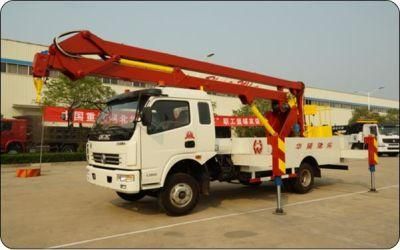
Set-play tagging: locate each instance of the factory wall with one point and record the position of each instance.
(18, 92)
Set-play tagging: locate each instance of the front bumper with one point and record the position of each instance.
(391, 148)
(108, 178)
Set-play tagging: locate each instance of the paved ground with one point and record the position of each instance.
(59, 209)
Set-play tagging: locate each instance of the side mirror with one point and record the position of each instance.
(146, 116)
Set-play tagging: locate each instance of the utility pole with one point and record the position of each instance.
(368, 93)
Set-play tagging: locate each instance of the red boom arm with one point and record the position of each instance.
(71, 58)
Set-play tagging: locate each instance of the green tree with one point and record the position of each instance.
(364, 114)
(391, 117)
(88, 92)
(264, 106)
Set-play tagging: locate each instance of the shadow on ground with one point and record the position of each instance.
(149, 205)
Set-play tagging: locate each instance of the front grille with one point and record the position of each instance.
(112, 159)
(390, 140)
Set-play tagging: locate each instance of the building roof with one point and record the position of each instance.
(18, 41)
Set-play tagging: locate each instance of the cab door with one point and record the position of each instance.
(370, 129)
(171, 132)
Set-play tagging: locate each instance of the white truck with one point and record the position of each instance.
(387, 136)
(172, 152)
(163, 141)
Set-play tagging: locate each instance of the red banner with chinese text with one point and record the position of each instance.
(236, 121)
(56, 114)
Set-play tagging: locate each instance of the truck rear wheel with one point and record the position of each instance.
(68, 148)
(131, 197)
(304, 180)
(179, 195)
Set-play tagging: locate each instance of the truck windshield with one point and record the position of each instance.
(389, 129)
(5, 126)
(116, 121)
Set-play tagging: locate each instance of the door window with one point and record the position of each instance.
(204, 113)
(167, 115)
(373, 131)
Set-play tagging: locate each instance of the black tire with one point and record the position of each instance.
(287, 184)
(304, 180)
(179, 188)
(68, 148)
(131, 197)
(14, 148)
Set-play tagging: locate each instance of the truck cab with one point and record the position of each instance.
(387, 136)
(178, 130)
(388, 139)
(13, 135)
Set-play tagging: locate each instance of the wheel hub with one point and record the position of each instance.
(305, 178)
(181, 195)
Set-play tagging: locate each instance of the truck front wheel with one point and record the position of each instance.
(180, 194)
(304, 180)
(131, 197)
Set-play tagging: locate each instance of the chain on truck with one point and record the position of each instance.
(164, 142)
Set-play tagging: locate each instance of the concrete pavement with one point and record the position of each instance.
(59, 209)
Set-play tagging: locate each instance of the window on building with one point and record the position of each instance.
(113, 81)
(54, 73)
(138, 84)
(106, 80)
(12, 68)
(204, 113)
(167, 115)
(23, 70)
(3, 67)
(30, 70)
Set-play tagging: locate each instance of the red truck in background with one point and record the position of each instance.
(13, 135)
(23, 133)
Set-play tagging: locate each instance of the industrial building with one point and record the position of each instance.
(18, 92)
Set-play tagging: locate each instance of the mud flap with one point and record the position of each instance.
(205, 183)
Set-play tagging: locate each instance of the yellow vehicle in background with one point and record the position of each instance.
(318, 121)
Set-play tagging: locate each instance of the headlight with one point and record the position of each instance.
(125, 178)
